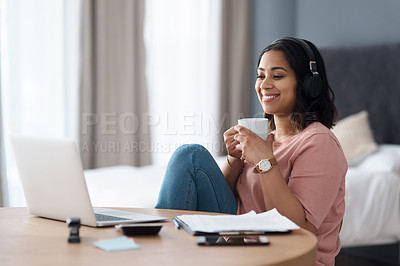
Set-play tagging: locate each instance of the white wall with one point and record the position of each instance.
(272, 19)
(326, 23)
(348, 22)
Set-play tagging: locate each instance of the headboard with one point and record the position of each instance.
(368, 78)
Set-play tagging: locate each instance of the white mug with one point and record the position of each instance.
(258, 125)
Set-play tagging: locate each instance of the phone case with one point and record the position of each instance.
(139, 229)
(232, 241)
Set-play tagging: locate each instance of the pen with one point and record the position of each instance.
(177, 225)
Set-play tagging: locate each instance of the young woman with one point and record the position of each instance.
(299, 170)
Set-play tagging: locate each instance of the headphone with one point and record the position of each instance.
(312, 83)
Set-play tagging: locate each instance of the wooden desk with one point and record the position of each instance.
(29, 240)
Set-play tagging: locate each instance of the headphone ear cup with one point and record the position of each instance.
(312, 86)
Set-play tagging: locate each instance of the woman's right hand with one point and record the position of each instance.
(231, 144)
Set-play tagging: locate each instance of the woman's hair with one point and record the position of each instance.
(307, 109)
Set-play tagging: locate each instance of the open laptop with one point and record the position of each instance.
(54, 185)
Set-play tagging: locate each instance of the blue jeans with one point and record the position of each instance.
(194, 181)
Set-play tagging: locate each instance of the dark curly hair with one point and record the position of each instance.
(307, 109)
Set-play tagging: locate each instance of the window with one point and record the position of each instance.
(39, 78)
(40, 74)
(182, 51)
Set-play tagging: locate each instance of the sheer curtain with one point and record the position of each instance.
(182, 72)
(39, 74)
(3, 181)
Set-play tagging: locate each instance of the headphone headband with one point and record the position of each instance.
(309, 52)
(311, 86)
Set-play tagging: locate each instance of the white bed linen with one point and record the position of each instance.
(127, 186)
(372, 213)
(372, 194)
(373, 199)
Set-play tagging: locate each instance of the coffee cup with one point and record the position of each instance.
(257, 125)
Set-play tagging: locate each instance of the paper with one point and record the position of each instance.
(270, 221)
(116, 244)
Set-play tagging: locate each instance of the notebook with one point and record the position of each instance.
(54, 185)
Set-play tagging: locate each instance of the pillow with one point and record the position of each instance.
(355, 135)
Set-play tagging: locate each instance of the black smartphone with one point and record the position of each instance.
(232, 241)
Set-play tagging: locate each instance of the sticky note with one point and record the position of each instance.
(116, 244)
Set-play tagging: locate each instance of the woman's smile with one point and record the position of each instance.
(269, 97)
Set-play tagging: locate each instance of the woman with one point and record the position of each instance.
(299, 170)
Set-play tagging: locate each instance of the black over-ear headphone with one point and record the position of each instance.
(312, 83)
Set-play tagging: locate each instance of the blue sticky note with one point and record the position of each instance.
(116, 244)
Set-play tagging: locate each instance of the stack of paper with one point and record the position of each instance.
(266, 222)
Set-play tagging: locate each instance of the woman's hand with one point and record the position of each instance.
(252, 147)
(231, 143)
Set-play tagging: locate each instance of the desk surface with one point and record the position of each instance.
(29, 240)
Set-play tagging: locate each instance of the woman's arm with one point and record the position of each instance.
(276, 192)
(232, 168)
(232, 171)
(278, 195)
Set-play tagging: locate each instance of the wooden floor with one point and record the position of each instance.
(383, 255)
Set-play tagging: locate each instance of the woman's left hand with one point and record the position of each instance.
(253, 148)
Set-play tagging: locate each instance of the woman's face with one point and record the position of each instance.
(276, 84)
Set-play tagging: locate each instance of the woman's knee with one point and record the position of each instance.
(188, 150)
(191, 148)
(191, 156)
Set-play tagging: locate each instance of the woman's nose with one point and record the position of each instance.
(266, 83)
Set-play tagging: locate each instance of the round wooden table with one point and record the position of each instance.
(30, 240)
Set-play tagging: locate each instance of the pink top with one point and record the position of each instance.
(314, 167)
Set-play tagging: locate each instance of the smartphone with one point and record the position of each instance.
(232, 241)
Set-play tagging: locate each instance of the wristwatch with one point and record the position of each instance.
(265, 165)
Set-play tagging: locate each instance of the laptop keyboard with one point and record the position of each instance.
(106, 218)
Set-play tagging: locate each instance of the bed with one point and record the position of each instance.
(367, 87)
(366, 82)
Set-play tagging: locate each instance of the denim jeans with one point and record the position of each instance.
(194, 181)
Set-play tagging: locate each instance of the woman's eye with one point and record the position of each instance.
(278, 76)
(260, 76)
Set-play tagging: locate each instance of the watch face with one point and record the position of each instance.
(265, 165)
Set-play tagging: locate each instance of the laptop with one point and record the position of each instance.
(54, 185)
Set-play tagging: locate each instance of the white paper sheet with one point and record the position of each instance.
(270, 221)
